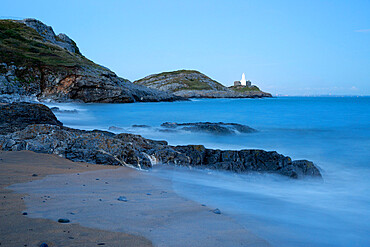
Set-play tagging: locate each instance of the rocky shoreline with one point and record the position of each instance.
(26, 126)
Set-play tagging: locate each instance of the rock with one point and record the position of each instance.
(214, 128)
(193, 84)
(114, 128)
(57, 110)
(140, 126)
(24, 213)
(44, 245)
(48, 34)
(102, 147)
(216, 211)
(122, 199)
(62, 220)
(55, 70)
(34, 175)
(17, 116)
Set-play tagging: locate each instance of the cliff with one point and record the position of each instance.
(193, 84)
(36, 62)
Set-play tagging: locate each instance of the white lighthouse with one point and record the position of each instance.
(243, 81)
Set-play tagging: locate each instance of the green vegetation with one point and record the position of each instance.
(241, 89)
(23, 46)
(190, 79)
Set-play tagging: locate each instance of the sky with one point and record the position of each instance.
(284, 47)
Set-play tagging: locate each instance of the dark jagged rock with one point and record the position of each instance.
(102, 147)
(214, 128)
(193, 84)
(34, 62)
(17, 116)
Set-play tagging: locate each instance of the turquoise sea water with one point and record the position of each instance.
(333, 132)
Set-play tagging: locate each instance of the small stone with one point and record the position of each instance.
(148, 194)
(100, 200)
(44, 245)
(63, 220)
(216, 211)
(203, 205)
(122, 199)
(34, 175)
(101, 243)
(25, 213)
(97, 179)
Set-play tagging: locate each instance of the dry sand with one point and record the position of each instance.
(164, 218)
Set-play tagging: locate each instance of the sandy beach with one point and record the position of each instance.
(153, 215)
(19, 230)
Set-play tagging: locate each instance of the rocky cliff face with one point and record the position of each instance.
(46, 135)
(193, 84)
(36, 62)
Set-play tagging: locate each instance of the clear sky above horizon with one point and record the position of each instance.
(284, 47)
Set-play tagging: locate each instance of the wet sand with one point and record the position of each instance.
(152, 210)
(19, 230)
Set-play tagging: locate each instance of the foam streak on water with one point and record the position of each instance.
(333, 132)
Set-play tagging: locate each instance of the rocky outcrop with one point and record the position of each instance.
(213, 128)
(47, 32)
(36, 62)
(193, 84)
(17, 116)
(101, 147)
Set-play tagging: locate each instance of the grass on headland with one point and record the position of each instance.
(23, 46)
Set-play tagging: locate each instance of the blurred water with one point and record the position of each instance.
(333, 132)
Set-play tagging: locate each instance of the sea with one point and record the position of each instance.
(333, 132)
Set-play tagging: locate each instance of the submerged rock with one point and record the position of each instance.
(58, 110)
(214, 128)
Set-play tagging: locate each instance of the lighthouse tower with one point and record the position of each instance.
(243, 81)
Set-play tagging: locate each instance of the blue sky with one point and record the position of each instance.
(285, 47)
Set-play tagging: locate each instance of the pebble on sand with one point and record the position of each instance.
(216, 211)
(122, 199)
(63, 220)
